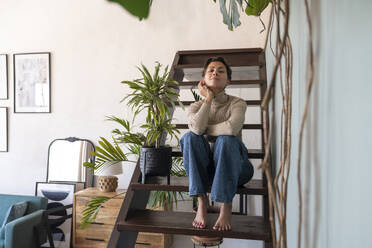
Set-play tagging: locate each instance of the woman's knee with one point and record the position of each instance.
(227, 140)
(191, 136)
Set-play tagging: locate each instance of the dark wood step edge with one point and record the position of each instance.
(233, 82)
(180, 184)
(248, 102)
(244, 227)
(252, 154)
(232, 64)
(245, 126)
(220, 51)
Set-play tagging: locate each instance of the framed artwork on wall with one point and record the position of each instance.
(3, 77)
(59, 195)
(31, 82)
(3, 129)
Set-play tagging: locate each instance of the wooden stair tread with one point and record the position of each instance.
(243, 227)
(234, 64)
(220, 52)
(252, 153)
(248, 102)
(181, 184)
(232, 82)
(245, 126)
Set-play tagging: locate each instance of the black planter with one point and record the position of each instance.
(155, 161)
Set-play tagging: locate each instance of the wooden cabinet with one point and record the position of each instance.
(98, 233)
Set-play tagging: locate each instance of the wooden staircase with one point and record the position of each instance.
(250, 66)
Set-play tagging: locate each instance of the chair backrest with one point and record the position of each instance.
(34, 203)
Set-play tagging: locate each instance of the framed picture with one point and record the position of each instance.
(59, 195)
(3, 129)
(3, 77)
(31, 82)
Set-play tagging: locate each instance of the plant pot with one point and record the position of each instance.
(156, 161)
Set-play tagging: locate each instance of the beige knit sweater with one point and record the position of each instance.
(223, 116)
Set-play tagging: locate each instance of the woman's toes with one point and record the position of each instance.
(198, 224)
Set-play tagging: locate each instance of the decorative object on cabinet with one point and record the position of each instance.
(108, 155)
(3, 77)
(31, 82)
(99, 232)
(66, 158)
(60, 196)
(107, 181)
(3, 129)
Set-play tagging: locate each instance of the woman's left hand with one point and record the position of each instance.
(205, 91)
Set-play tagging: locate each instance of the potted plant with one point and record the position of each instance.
(156, 95)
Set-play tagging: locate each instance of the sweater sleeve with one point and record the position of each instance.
(198, 117)
(234, 124)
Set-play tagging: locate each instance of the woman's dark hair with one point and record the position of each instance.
(219, 59)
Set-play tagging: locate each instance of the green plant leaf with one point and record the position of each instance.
(255, 7)
(197, 97)
(154, 94)
(106, 152)
(138, 8)
(91, 210)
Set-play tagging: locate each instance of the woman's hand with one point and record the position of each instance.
(205, 91)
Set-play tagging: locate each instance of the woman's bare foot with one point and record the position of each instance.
(200, 220)
(223, 222)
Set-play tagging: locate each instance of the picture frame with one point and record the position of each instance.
(3, 77)
(3, 129)
(59, 194)
(32, 84)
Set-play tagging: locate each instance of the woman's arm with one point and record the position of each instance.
(198, 117)
(199, 111)
(234, 124)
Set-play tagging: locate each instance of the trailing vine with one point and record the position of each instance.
(283, 69)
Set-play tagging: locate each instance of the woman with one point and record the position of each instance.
(219, 119)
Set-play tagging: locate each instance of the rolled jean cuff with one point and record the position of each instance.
(221, 200)
(192, 194)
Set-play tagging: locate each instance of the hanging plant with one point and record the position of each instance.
(138, 8)
(230, 9)
(256, 7)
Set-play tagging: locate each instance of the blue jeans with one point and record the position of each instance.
(226, 168)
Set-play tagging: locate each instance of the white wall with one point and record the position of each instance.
(336, 168)
(94, 45)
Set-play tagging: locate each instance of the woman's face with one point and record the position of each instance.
(216, 76)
